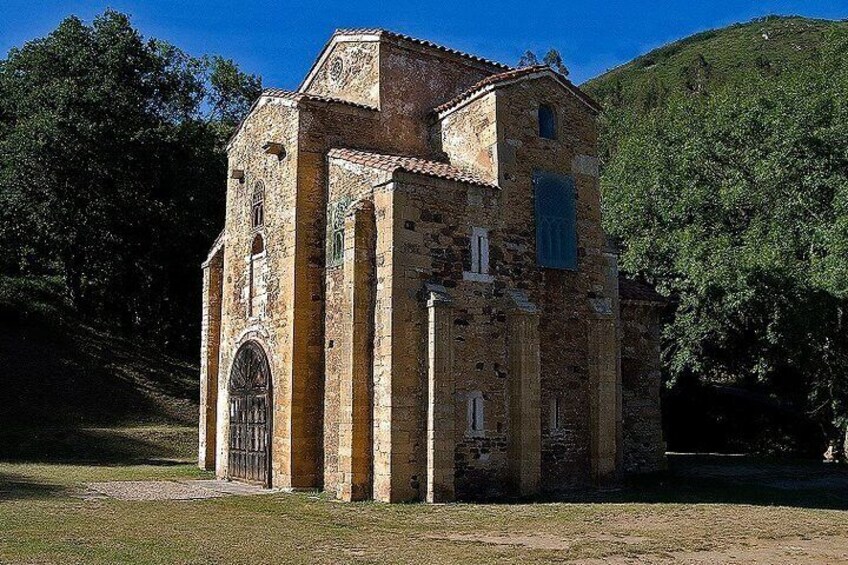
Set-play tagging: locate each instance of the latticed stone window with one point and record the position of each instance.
(335, 231)
(258, 205)
(338, 247)
(556, 220)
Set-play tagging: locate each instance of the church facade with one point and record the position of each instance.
(412, 297)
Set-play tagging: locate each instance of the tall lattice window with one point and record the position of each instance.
(258, 206)
(335, 230)
(556, 221)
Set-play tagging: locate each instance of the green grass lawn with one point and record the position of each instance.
(704, 511)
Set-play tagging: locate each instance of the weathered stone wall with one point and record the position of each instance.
(347, 184)
(403, 80)
(414, 81)
(469, 137)
(210, 351)
(434, 221)
(563, 297)
(351, 71)
(389, 478)
(644, 448)
(272, 328)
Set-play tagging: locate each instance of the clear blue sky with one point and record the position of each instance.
(279, 39)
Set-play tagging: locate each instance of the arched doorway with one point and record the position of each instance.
(250, 416)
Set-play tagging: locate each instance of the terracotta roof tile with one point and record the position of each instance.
(392, 163)
(297, 96)
(514, 74)
(629, 289)
(422, 42)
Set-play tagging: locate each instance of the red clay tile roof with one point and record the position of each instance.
(422, 42)
(392, 163)
(297, 96)
(629, 289)
(494, 81)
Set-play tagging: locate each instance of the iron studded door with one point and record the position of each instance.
(250, 416)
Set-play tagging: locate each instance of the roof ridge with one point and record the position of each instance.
(408, 163)
(423, 42)
(294, 95)
(493, 80)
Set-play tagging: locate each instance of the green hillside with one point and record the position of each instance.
(707, 60)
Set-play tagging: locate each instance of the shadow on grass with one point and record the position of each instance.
(723, 479)
(158, 446)
(19, 487)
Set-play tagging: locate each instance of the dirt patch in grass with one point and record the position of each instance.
(752, 552)
(169, 490)
(537, 541)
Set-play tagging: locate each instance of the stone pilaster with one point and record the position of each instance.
(605, 380)
(356, 386)
(210, 346)
(525, 445)
(440, 396)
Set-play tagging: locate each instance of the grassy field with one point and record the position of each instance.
(705, 510)
(84, 406)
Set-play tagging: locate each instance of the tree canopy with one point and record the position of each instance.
(733, 199)
(111, 166)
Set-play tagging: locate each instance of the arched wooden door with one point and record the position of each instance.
(250, 416)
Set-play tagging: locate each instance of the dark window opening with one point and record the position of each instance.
(547, 122)
(258, 245)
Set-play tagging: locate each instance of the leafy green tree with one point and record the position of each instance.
(552, 59)
(528, 59)
(111, 168)
(736, 205)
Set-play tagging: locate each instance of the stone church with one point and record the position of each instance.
(412, 297)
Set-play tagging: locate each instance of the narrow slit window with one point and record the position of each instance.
(556, 413)
(475, 413)
(547, 122)
(480, 251)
